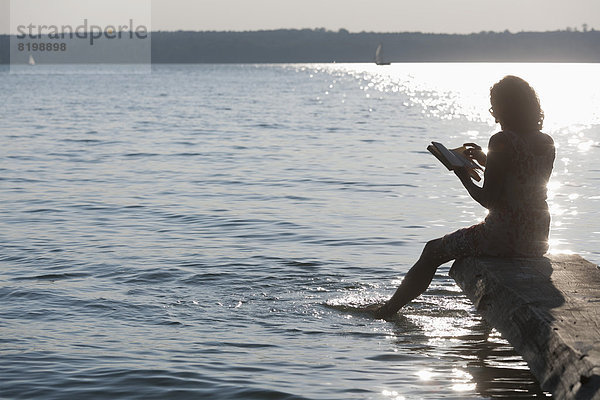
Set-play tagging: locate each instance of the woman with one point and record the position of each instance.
(517, 168)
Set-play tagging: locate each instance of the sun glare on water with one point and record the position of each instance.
(568, 98)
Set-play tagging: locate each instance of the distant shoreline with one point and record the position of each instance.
(322, 46)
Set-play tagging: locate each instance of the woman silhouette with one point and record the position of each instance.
(517, 168)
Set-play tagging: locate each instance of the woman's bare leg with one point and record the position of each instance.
(417, 280)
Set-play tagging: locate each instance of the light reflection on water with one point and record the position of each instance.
(569, 99)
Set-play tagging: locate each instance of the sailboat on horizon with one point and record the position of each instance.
(379, 56)
(31, 60)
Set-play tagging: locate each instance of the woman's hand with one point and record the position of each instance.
(474, 152)
(463, 174)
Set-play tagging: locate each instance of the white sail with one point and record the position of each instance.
(31, 60)
(379, 54)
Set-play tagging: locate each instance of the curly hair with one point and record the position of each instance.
(516, 105)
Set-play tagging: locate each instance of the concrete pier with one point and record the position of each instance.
(548, 309)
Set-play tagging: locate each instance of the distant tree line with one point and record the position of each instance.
(320, 45)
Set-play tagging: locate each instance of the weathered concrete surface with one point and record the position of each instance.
(548, 309)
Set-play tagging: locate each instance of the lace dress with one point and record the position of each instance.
(518, 222)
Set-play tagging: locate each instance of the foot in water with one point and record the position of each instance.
(379, 311)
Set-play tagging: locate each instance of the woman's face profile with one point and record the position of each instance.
(515, 105)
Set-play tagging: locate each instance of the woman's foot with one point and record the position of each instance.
(379, 311)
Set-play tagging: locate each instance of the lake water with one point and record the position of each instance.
(205, 231)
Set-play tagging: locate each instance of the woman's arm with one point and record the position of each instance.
(496, 168)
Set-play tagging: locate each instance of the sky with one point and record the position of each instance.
(438, 16)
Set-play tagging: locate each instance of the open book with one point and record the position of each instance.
(455, 158)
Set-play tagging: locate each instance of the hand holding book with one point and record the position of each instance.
(474, 152)
(461, 157)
